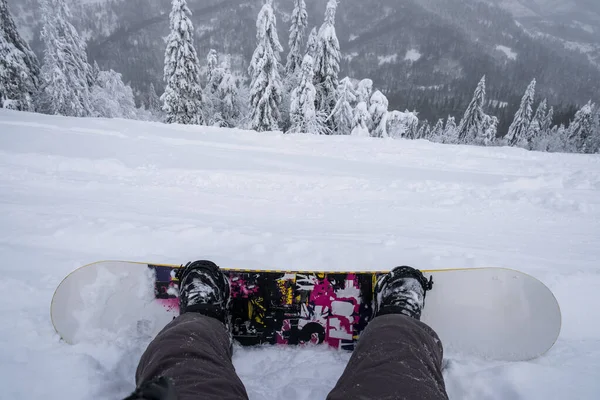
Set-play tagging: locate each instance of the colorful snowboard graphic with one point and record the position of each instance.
(491, 313)
(289, 308)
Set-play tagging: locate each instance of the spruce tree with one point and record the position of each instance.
(327, 64)
(437, 133)
(450, 131)
(361, 121)
(228, 100)
(154, 104)
(312, 43)
(266, 87)
(534, 131)
(517, 132)
(472, 123)
(66, 74)
(489, 132)
(111, 98)
(343, 111)
(182, 99)
(379, 112)
(19, 68)
(364, 91)
(581, 133)
(303, 115)
(296, 41)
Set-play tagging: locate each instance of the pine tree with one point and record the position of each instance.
(66, 74)
(557, 139)
(304, 117)
(343, 111)
(212, 61)
(471, 126)
(312, 43)
(296, 41)
(547, 121)
(111, 98)
(229, 104)
(534, 131)
(19, 68)
(379, 112)
(154, 104)
(581, 133)
(95, 71)
(266, 87)
(364, 90)
(402, 124)
(437, 133)
(327, 64)
(450, 131)
(517, 132)
(489, 132)
(182, 99)
(361, 121)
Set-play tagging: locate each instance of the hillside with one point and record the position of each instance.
(426, 55)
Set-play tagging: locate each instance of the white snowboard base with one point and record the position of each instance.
(490, 313)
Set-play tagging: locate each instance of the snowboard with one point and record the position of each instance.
(490, 313)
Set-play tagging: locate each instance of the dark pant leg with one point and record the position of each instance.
(397, 357)
(195, 351)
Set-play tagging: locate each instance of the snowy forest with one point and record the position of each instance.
(296, 88)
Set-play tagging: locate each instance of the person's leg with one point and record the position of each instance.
(397, 356)
(190, 359)
(195, 352)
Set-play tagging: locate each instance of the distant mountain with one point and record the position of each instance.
(426, 55)
(575, 23)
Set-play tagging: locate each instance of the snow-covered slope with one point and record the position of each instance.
(78, 190)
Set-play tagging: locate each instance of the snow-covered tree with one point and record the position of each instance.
(228, 101)
(361, 121)
(364, 90)
(312, 43)
(450, 131)
(402, 124)
(212, 61)
(182, 99)
(557, 139)
(66, 73)
(437, 133)
(296, 41)
(489, 131)
(474, 119)
(19, 68)
(534, 132)
(153, 102)
(303, 114)
(327, 64)
(581, 132)
(266, 87)
(517, 132)
(95, 71)
(424, 131)
(111, 98)
(379, 113)
(547, 121)
(343, 111)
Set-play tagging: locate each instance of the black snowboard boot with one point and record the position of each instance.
(401, 291)
(204, 288)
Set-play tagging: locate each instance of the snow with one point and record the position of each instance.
(412, 55)
(510, 54)
(389, 59)
(79, 190)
